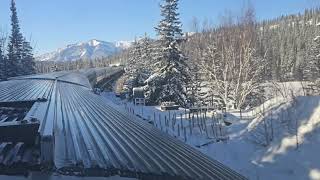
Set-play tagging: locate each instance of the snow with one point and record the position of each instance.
(94, 42)
(124, 44)
(281, 159)
(285, 89)
(83, 53)
(152, 77)
(274, 26)
(315, 174)
(310, 22)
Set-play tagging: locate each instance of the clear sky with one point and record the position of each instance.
(55, 23)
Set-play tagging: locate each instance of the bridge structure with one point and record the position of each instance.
(55, 121)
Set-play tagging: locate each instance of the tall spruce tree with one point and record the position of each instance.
(27, 58)
(312, 66)
(145, 62)
(15, 46)
(134, 64)
(168, 80)
(2, 61)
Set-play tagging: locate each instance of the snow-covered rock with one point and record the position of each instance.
(86, 50)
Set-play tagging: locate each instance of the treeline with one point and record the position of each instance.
(50, 66)
(233, 60)
(290, 41)
(287, 43)
(17, 59)
(228, 64)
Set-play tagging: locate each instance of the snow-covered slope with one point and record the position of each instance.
(86, 50)
(281, 159)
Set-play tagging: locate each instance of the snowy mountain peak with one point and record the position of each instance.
(85, 50)
(94, 42)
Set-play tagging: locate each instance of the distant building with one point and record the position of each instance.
(138, 96)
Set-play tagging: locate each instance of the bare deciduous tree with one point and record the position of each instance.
(233, 66)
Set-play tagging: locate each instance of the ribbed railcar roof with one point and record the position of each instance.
(25, 90)
(51, 76)
(90, 134)
(76, 78)
(13, 154)
(71, 77)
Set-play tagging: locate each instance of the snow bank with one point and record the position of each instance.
(294, 143)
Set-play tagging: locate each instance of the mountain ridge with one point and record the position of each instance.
(85, 50)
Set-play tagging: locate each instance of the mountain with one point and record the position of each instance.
(86, 50)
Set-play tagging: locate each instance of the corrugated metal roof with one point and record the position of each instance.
(18, 157)
(76, 78)
(96, 135)
(25, 90)
(71, 77)
(91, 137)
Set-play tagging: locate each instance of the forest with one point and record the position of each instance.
(230, 63)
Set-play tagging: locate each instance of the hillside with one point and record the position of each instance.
(293, 141)
(286, 42)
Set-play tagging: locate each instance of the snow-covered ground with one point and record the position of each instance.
(240, 149)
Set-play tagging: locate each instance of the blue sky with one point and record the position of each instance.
(55, 23)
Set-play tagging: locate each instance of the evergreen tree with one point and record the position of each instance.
(145, 64)
(134, 64)
(2, 62)
(169, 79)
(132, 67)
(28, 61)
(15, 45)
(312, 67)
